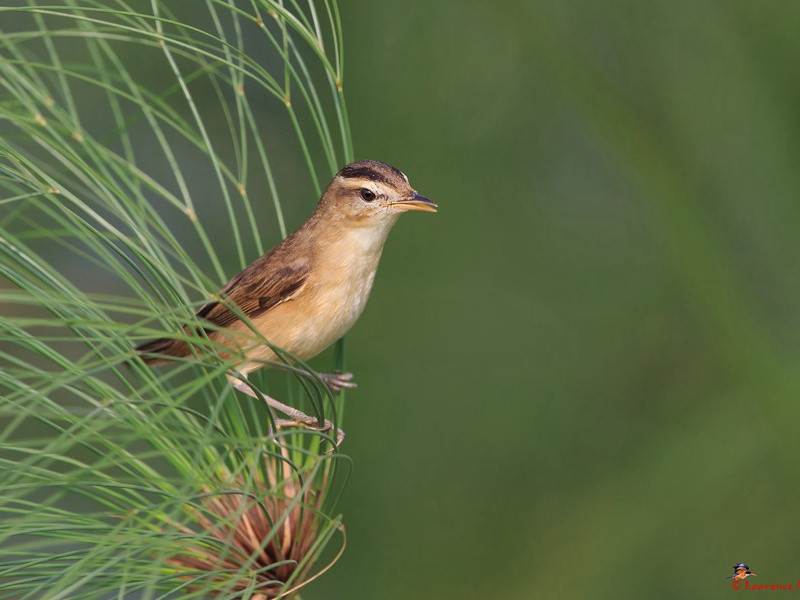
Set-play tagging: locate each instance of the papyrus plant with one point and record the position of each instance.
(147, 151)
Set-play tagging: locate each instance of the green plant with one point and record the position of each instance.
(142, 152)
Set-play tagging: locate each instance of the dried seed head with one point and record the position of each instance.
(257, 535)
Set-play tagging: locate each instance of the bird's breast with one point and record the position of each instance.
(346, 273)
(332, 299)
(343, 294)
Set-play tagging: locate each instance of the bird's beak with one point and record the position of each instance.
(415, 202)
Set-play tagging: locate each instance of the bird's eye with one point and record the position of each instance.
(367, 195)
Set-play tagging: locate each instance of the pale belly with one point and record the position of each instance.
(332, 314)
(306, 325)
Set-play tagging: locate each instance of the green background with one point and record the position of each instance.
(579, 378)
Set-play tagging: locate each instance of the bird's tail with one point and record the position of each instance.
(153, 352)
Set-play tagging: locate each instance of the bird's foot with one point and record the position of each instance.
(338, 381)
(298, 417)
(312, 425)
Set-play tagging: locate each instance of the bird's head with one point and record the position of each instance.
(369, 192)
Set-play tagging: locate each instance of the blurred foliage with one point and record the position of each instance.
(591, 350)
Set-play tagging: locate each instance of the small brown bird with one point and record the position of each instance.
(307, 291)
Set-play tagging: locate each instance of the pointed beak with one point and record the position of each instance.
(415, 202)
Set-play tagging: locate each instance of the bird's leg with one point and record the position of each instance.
(298, 417)
(334, 381)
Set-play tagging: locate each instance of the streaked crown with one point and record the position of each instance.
(375, 171)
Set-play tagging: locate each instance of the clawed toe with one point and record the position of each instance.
(338, 381)
(298, 418)
(312, 425)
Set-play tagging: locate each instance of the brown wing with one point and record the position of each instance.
(261, 286)
(255, 290)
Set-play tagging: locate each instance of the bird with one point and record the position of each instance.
(309, 290)
(741, 571)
